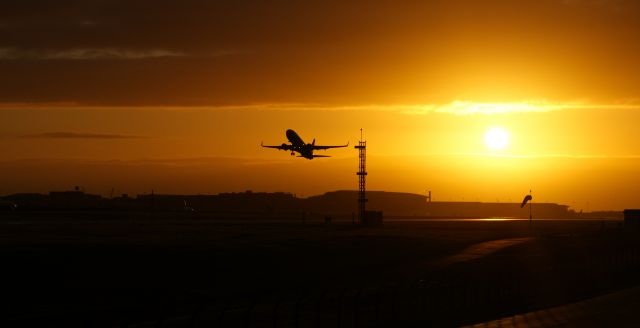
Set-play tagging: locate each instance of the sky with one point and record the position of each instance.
(176, 97)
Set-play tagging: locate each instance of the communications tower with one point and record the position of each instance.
(362, 173)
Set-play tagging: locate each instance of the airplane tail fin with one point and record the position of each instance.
(313, 143)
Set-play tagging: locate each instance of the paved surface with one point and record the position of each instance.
(619, 309)
(482, 249)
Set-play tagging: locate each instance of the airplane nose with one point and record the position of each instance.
(291, 134)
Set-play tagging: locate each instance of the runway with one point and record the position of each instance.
(618, 309)
(482, 249)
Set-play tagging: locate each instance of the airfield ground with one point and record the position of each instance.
(188, 269)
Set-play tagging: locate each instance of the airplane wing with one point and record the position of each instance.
(281, 147)
(317, 147)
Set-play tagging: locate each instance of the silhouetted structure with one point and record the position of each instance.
(29, 200)
(7, 206)
(337, 204)
(340, 204)
(372, 217)
(249, 202)
(528, 198)
(74, 199)
(362, 173)
(632, 218)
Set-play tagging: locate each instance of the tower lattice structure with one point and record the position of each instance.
(362, 173)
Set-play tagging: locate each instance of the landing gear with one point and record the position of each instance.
(293, 153)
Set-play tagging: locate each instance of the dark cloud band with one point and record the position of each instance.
(85, 54)
(75, 135)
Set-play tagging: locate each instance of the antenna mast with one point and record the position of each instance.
(362, 173)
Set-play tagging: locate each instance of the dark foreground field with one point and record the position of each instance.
(183, 270)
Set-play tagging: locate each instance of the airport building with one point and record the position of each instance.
(632, 218)
(337, 204)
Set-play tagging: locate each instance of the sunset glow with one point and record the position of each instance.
(549, 87)
(496, 138)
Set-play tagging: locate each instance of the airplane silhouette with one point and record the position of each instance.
(305, 149)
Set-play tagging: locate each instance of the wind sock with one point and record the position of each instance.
(525, 200)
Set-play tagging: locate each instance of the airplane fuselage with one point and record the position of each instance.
(298, 145)
(294, 138)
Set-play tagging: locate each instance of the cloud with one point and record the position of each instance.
(589, 2)
(460, 107)
(614, 6)
(86, 54)
(456, 107)
(76, 135)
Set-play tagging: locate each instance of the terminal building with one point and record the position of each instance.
(632, 218)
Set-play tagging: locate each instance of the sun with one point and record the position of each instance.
(496, 138)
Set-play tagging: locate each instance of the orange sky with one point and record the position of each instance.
(177, 97)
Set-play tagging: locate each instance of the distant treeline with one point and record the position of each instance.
(336, 203)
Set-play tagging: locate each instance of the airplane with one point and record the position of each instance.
(305, 149)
